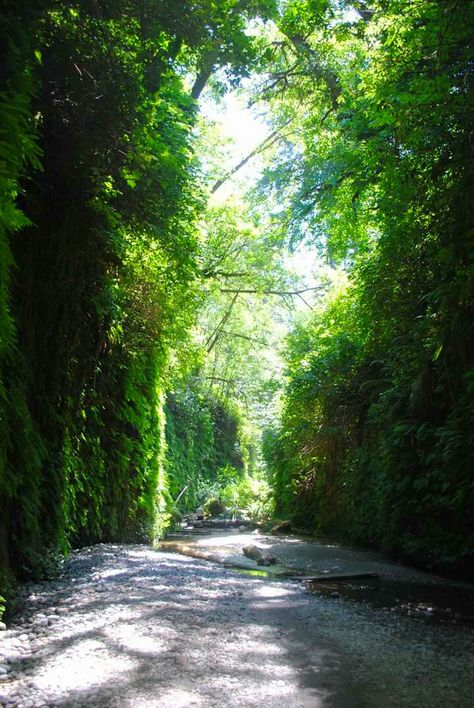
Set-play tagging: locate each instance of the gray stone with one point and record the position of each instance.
(3, 626)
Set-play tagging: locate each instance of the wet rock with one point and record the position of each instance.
(199, 513)
(258, 555)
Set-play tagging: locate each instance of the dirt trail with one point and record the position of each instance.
(129, 626)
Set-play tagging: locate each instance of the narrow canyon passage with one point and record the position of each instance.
(236, 288)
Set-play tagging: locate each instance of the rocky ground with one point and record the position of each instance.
(130, 626)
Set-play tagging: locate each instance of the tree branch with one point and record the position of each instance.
(205, 72)
(212, 340)
(264, 145)
(225, 274)
(330, 78)
(244, 336)
(232, 382)
(282, 293)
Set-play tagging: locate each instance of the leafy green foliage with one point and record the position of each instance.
(375, 440)
(250, 497)
(18, 153)
(98, 257)
(204, 438)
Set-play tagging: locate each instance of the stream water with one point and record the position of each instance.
(397, 588)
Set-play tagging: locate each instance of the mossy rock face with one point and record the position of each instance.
(282, 527)
(214, 507)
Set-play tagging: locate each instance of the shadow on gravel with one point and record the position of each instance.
(142, 629)
(180, 633)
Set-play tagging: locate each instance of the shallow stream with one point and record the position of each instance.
(397, 588)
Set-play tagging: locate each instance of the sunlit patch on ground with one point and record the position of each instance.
(273, 591)
(86, 664)
(177, 698)
(132, 641)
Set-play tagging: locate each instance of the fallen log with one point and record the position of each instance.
(334, 577)
(191, 551)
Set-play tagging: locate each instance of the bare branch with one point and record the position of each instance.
(282, 293)
(221, 379)
(212, 340)
(264, 145)
(244, 336)
(305, 301)
(225, 274)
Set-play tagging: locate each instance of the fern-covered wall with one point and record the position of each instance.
(98, 208)
(91, 305)
(22, 449)
(204, 441)
(375, 442)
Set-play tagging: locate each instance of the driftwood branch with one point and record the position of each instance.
(258, 555)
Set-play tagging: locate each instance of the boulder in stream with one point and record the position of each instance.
(258, 555)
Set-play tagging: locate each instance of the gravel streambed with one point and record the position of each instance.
(130, 626)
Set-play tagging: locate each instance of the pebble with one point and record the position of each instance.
(3, 627)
